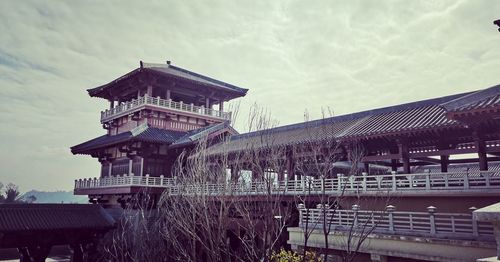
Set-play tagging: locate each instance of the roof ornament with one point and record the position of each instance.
(168, 62)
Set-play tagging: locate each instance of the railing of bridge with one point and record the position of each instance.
(430, 223)
(486, 181)
(130, 106)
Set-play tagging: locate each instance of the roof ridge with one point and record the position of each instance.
(437, 101)
(475, 95)
(139, 129)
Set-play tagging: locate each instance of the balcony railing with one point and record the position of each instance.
(483, 182)
(124, 181)
(131, 106)
(430, 223)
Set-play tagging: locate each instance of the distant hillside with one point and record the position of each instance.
(56, 197)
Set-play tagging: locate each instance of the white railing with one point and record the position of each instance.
(124, 181)
(130, 106)
(430, 223)
(484, 181)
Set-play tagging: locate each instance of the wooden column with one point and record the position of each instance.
(150, 90)
(167, 95)
(110, 169)
(111, 104)
(221, 106)
(234, 174)
(290, 166)
(130, 163)
(367, 167)
(481, 153)
(444, 163)
(405, 157)
(394, 165)
(207, 102)
(142, 166)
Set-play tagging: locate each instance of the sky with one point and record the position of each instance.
(294, 56)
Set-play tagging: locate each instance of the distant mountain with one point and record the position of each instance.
(56, 197)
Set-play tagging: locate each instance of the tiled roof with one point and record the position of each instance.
(411, 117)
(482, 99)
(49, 217)
(173, 71)
(141, 133)
(186, 74)
(196, 134)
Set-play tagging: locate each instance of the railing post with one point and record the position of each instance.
(390, 213)
(432, 219)
(161, 180)
(147, 179)
(428, 181)
(355, 209)
(393, 173)
(301, 208)
(364, 181)
(487, 178)
(339, 179)
(475, 230)
(466, 180)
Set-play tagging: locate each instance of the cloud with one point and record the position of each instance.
(292, 55)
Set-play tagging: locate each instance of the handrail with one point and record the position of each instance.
(423, 182)
(130, 106)
(430, 223)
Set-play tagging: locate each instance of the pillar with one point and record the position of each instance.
(444, 163)
(221, 106)
(207, 102)
(110, 169)
(130, 162)
(394, 165)
(150, 90)
(142, 166)
(111, 104)
(290, 166)
(481, 153)
(367, 167)
(234, 173)
(167, 95)
(405, 157)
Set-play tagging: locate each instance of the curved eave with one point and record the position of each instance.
(102, 91)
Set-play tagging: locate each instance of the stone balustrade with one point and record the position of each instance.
(135, 104)
(481, 181)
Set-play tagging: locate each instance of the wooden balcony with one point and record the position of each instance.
(426, 184)
(162, 104)
(425, 224)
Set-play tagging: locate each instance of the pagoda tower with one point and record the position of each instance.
(155, 111)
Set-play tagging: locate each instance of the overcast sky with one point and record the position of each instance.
(292, 55)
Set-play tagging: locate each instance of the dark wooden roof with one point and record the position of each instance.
(383, 122)
(231, 91)
(142, 133)
(486, 99)
(194, 135)
(48, 217)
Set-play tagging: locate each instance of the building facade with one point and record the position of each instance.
(429, 163)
